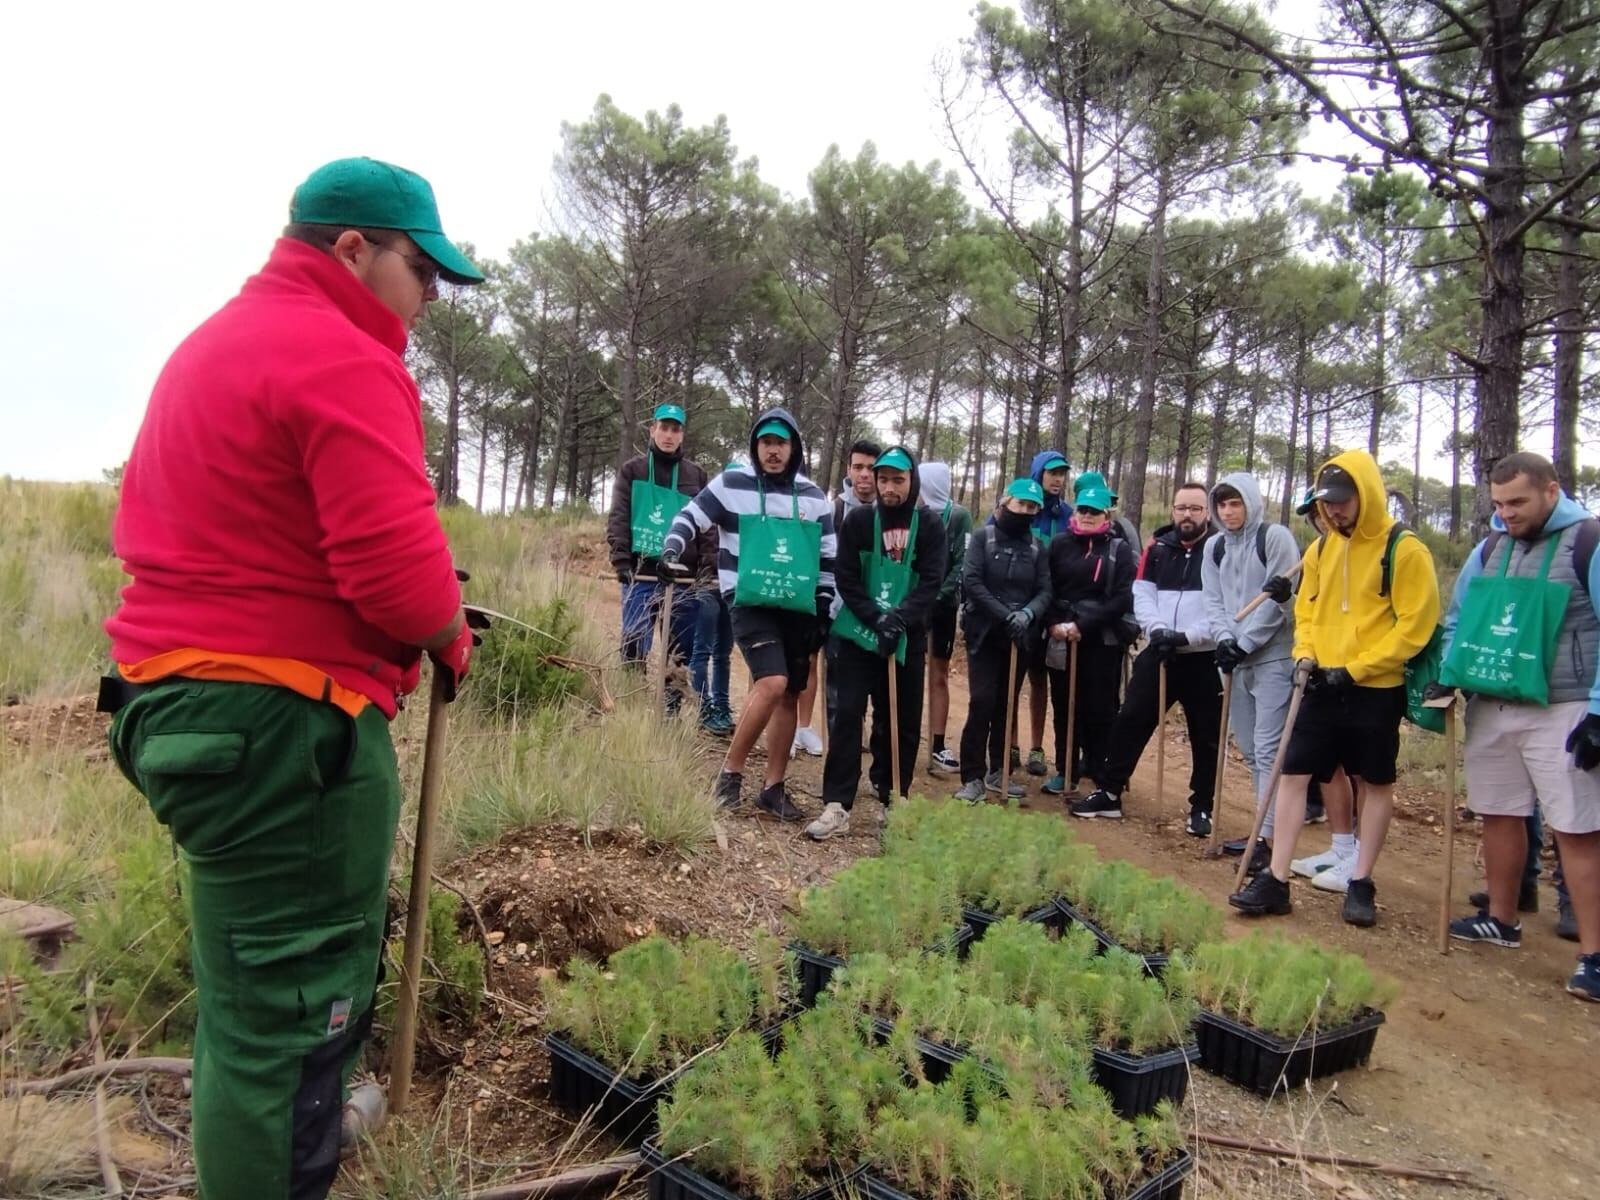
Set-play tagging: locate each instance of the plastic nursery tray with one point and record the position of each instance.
(1136, 1083)
(675, 1179)
(623, 1107)
(1049, 915)
(1264, 1062)
(938, 1058)
(1166, 1184)
(1154, 963)
(817, 968)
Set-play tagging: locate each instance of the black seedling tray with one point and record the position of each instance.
(938, 1058)
(624, 1107)
(817, 968)
(1167, 1184)
(675, 1179)
(1136, 1083)
(1264, 1062)
(1154, 963)
(1048, 915)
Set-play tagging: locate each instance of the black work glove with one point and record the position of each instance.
(1279, 588)
(1166, 642)
(1437, 691)
(1228, 655)
(1328, 679)
(824, 625)
(624, 575)
(1018, 622)
(462, 576)
(889, 626)
(671, 561)
(1583, 743)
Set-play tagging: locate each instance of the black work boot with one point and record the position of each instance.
(1260, 858)
(728, 787)
(1361, 903)
(775, 802)
(1264, 896)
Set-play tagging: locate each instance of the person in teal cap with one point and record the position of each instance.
(287, 573)
(1091, 587)
(1006, 580)
(648, 492)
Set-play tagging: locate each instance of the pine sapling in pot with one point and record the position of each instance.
(878, 904)
(1284, 987)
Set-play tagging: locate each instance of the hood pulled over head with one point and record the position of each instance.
(796, 457)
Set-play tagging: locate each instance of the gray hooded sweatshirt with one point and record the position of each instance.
(1267, 634)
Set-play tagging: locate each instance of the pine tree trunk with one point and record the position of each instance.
(1569, 314)
(1144, 420)
(1455, 460)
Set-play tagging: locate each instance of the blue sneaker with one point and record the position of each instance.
(1585, 981)
(1481, 927)
(1054, 786)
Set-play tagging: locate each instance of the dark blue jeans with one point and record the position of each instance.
(641, 611)
(1530, 869)
(713, 650)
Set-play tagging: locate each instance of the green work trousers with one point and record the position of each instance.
(284, 809)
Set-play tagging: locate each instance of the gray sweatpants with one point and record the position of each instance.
(1259, 705)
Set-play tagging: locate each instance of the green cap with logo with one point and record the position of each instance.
(894, 458)
(773, 428)
(1026, 489)
(378, 195)
(668, 412)
(1089, 490)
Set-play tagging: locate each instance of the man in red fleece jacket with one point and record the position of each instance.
(288, 570)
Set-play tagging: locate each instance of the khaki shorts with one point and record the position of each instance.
(1516, 753)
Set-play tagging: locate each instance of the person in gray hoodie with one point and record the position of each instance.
(1256, 651)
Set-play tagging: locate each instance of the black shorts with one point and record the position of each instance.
(775, 641)
(942, 629)
(1357, 728)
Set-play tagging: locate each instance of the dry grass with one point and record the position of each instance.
(48, 1145)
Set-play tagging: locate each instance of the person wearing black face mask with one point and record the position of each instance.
(1006, 580)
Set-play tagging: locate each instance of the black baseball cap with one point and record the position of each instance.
(1334, 486)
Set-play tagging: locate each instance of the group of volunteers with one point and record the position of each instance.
(288, 572)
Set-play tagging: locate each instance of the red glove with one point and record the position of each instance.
(453, 660)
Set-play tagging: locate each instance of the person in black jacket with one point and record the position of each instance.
(1091, 586)
(1006, 580)
(889, 547)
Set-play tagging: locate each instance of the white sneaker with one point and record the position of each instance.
(809, 740)
(1315, 865)
(1337, 877)
(833, 820)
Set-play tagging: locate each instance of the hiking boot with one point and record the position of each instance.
(1566, 919)
(971, 791)
(1481, 927)
(834, 819)
(807, 740)
(942, 762)
(1054, 786)
(1585, 981)
(1527, 899)
(1199, 823)
(1098, 803)
(729, 785)
(1036, 764)
(991, 783)
(362, 1116)
(774, 801)
(715, 718)
(1316, 864)
(1316, 813)
(1260, 859)
(1360, 902)
(1264, 896)
(1337, 877)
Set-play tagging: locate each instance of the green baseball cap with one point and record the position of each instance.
(774, 428)
(668, 412)
(1054, 463)
(1089, 490)
(1026, 489)
(894, 458)
(378, 195)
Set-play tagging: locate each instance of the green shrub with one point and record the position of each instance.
(885, 904)
(453, 981)
(657, 1003)
(1286, 987)
(1146, 913)
(511, 672)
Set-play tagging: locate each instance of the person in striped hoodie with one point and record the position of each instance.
(775, 568)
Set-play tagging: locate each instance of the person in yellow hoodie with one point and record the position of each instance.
(1368, 602)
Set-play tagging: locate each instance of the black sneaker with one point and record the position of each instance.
(1527, 899)
(1098, 803)
(1566, 919)
(1481, 927)
(1199, 823)
(729, 784)
(1361, 903)
(1260, 859)
(1264, 896)
(1234, 847)
(775, 802)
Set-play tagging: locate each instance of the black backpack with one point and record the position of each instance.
(1261, 546)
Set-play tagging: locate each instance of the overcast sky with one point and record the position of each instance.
(152, 148)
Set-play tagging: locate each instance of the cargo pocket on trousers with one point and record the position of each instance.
(175, 769)
(295, 988)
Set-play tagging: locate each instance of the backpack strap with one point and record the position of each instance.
(1261, 542)
(1216, 553)
(1396, 532)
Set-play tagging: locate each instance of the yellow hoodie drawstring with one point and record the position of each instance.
(1344, 603)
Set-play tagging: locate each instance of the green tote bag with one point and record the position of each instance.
(651, 508)
(888, 583)
(1506, 634)
(779, 560)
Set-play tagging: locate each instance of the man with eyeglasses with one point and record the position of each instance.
(288, 572)
(1170, 607)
